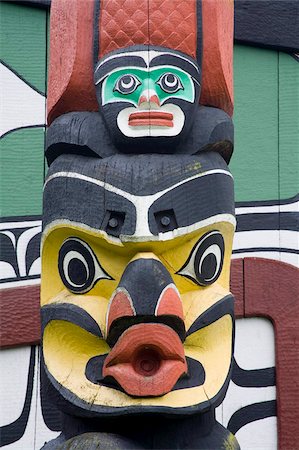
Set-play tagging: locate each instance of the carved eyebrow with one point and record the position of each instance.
(117, 62)
(171, 59)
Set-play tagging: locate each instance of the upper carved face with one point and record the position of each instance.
(147, 94)
(136, 308)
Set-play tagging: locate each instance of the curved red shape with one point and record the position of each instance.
(147, 360)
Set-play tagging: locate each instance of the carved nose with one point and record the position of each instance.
(146, 294)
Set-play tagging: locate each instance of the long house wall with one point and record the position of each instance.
(265, 166)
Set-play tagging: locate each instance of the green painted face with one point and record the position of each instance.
(128, 84)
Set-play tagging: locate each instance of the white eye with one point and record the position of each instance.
(205, 261)
(78, 266)
(126, 84)
(170, 83)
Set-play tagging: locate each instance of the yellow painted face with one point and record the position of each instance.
(75, 313)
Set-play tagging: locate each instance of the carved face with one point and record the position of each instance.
(145, 94)
(137, 313)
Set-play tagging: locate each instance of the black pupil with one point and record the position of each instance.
(77, 272)
(127, 79)
(208, 266)
(170, 78)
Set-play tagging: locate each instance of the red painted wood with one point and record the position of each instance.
(70, 84)
(163, 23)
(272, 290)
(217, 62)
(237, 285)
(20, 316)
(170, 304)
(120, 306)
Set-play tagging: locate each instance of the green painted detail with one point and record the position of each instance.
(23, 41)
(288, 126)
(21, 172)
(145, 80)
(255, 160)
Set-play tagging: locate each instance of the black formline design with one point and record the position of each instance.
(257, 203)
(10, 219)
(22, 78)
(15, 430)
(96, 36)
(23, 128)
(251, 413)
(268, 221)
(70, 313)
(215, 312)
(266, 249)
(199, 45)
(254, 377)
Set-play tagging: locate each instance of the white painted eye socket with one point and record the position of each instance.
(205, 261)
(170, 83)
(127, 84)
(78, 267)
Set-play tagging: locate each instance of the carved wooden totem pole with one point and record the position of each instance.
(138, 321)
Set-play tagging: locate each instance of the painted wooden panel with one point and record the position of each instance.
(23, 65)
(255, 159)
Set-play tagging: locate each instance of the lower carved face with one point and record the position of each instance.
(147, 93)
(138, 320)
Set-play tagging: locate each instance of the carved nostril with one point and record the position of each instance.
(142, 99)
(169, 303)
(120, 306)
(155, 99)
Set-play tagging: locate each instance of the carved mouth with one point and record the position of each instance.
(147, 360)
(151, 118)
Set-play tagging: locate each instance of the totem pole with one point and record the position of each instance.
(138, 223)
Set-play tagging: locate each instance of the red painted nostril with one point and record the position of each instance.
(142, 99)
(155, 99)
(146, 362)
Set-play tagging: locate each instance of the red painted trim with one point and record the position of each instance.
(272, 290)
(237, 285)
(20, 316)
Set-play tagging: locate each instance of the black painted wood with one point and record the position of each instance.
(32, 3)
(268, 23)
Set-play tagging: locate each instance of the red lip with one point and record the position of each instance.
(158, 118)
(147, 360)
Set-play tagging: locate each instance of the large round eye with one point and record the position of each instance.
(205, 261)
(170, 83)
(126, 84)
(78, 266)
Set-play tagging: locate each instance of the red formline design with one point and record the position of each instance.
(271, 290)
